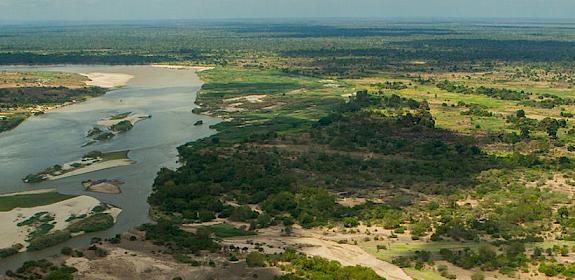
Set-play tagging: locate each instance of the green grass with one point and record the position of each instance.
(115, 155)
(120, 116)
(226, 230)
(8, 203)
(291, 103)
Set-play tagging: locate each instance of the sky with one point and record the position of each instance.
(102, 10)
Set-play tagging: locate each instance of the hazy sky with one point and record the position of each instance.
(37, 10)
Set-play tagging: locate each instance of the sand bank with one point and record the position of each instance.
(108, 80)
(93, 167)
(133, 118)
(104, 187)
(183, 67)
(12, 234)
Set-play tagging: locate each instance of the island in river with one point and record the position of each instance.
(90, 162)
(111, 126)
(23, 94)
(38, 219)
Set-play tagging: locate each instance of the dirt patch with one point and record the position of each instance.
(145, 261)
(104, 188)
(314, 242)
(252, 98)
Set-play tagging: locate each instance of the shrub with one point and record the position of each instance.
(256, 259)
(67, 251)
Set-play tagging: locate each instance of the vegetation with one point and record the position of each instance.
(9, 202)
(226, 230)
(42, 269)
(44, 241)
(88, 159)
(458, 137)
(122, 126)
(13, 250)
(178, 240)
(303, 267)
(93, 223)
(19, 100)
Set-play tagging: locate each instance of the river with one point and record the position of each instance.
(57, 137)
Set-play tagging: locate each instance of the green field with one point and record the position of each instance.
(10, 202)
(226, 230)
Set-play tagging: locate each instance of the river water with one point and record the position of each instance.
(57, 137)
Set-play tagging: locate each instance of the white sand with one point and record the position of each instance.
(94, 167)
(350, 255)
(133, 118)
(183, 67)
(108, 80)
(12, 234)
(104, 188)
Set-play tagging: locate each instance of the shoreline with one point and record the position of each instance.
(107, 80)
(40, 191)
(94, 167)
(183, 67)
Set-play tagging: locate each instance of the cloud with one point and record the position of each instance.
(190, 9)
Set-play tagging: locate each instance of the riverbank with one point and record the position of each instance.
(185, 67)
(107, 80)
(34, 93)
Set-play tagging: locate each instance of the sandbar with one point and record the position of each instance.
(93, 167)
(184, 67)
(107, 80)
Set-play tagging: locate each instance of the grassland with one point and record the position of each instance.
(266, 100)
(13, 79)
(10, 202)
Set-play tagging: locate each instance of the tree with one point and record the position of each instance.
(350, 222)
(256, 259)
(520, 113)
(525, 132)
(478, 276)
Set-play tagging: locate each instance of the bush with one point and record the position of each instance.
(101, 252)
(477, 276)
(256, 259)
(48, 240)
(67, 251)
(4, 253)
(97, 222)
